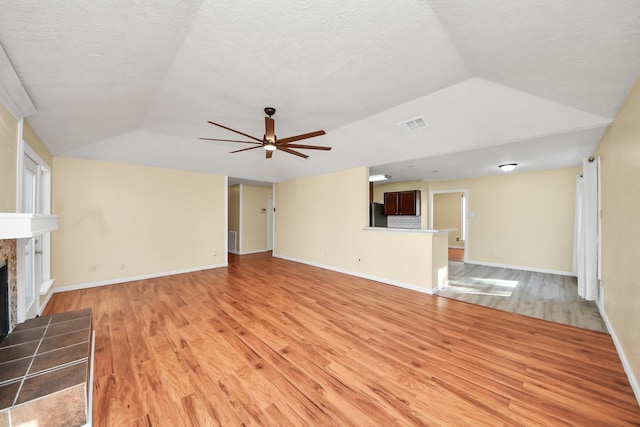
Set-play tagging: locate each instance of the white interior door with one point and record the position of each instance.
(32, 262)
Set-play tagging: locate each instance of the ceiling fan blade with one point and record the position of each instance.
(300, 137)
(287, 150)
(230, 140)
(270, 132)
(308, 147)
(269, 153)
(245, 149)
(236, 131)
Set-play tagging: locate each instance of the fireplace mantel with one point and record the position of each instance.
(25, 226)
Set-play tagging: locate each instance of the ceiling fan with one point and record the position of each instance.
(270, 142)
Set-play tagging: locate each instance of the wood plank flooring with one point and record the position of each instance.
(456, 254)
(542, 295)
(269, 342)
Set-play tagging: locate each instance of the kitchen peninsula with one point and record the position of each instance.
(424, 261)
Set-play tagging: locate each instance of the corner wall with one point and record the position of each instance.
(619, 152)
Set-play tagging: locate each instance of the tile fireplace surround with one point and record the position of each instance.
(15, 230)
(45, 372)
(8, 253)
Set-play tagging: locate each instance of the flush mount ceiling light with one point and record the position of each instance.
(376, 178)
(508, 167)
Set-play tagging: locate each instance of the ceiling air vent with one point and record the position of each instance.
(412, 125)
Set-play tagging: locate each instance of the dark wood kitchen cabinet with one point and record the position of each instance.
(402, 203)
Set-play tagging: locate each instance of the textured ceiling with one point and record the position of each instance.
(532, 82)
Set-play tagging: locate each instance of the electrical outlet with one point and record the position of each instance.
(94, 267)
(121, 267)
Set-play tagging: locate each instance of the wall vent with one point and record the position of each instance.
(412, 125)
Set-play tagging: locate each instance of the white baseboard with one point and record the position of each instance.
(134, 278)
(45, 302)
(623, 358)
(520, 267)
(456, 247)
(362, 275)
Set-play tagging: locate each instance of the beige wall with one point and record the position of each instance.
(380, 188)
(521, 219)
(254, 218)
(34, 141)
(320, 220)
(119, 221)
(619, 152)
(8, 159)
(234, 212)
(447, 214)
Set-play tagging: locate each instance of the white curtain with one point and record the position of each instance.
(587, 242)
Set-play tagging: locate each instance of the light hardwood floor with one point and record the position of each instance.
(456, 254)
(545, 296)
(269, 342)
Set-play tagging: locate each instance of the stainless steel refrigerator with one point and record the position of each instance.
(377, 218)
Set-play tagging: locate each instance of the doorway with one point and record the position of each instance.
(449, 211)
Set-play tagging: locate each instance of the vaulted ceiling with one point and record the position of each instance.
(531, 82)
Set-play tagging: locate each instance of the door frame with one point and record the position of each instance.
(30, 251)
(465, 216)
(43, 206)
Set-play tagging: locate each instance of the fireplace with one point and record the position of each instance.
(15, 231)
(4, 299)
(9, 297)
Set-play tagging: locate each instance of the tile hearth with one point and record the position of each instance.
(45, 371)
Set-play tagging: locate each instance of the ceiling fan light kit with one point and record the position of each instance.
(270, 142)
